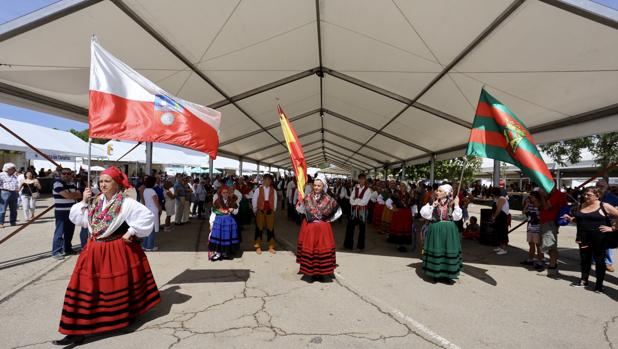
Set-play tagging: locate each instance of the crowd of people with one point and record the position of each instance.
(119, 220)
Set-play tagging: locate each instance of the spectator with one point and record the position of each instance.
(531, 210)
(42, 172)
(151, 200)
(500, 216)
(612, 199)
(188, 196)
(180, 193)
(473, 230)
(29, 192)
(170, 204)
(9, 188)
(549, 209)
(65, 196)
(592, 216)
(199, 194)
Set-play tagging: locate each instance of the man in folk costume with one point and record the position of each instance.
(112, 282)
(359, 201)
(264, 206)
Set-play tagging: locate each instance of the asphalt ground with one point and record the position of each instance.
(378, 299)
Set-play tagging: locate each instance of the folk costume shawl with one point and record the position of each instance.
(107, 216)
(320, 207)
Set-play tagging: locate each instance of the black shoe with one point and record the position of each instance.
(599, 290)
(70, 339)
(70, 252)
(580, 283)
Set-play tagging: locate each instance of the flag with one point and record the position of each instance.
(497, 133)
(296, 152)
(125, 105)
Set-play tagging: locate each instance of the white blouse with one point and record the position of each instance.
(138, 217)
(427, 212)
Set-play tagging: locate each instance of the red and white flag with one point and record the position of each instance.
(125, 105)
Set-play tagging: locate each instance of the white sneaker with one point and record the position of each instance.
(501, 252)
(497, 249)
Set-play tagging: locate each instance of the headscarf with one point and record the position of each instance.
(118, 176)
(322, 178)
(447, 188)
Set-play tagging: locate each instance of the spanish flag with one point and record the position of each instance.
(296, 152)
(497, 133)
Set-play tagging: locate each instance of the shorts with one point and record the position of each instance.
(534, 238)
(549, 236)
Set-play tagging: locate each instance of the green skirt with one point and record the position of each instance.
(244, 212)
(442, 251)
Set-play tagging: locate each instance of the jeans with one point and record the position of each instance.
(28, 203)
(198, 208)
(63, 233)
(8, 199)
(149, 241)
(609, 256)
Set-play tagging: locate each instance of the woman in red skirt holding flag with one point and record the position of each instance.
(112, 282)
(316, 245)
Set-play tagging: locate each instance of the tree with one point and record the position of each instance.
(603, 148)
(84, 136)
(446, 169)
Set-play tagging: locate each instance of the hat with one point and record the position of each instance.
(322, 178)
(8, 166)
(118, 176)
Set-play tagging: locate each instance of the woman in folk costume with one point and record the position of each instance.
(387, 213)
(112, 282)
(442, 258)
(244, 207)
(400, 231)
(224, 239)
(316, 244)
(264, 203)
(378, 208)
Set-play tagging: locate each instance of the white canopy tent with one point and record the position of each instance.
(366, 83)
(50, 141)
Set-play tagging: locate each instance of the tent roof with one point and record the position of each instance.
(403, 88)
(48, 140)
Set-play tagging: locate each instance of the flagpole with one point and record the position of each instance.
(89, 159)
(463, 169)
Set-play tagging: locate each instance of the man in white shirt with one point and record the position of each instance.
(359, 199)
(264, 204)
(290, 188)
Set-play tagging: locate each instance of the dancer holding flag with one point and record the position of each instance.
(112, 282)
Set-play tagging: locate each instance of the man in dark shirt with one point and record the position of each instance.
(65, 196)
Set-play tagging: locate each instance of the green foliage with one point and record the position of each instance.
(446, 169)
(84, 136)
(603, 148)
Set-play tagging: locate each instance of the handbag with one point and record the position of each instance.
(34, 195)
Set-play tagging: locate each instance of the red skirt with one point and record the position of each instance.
(111, 285)
(401, 224)
(377, 215)
(316, 249)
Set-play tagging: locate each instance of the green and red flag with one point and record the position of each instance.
(296, 152)
(497, 133)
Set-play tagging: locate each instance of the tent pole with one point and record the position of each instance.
(432, 170)
(496, 176)
(127, 153)
(29, 145)
(148, 158)
(211, 163)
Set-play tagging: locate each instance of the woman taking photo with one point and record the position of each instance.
(591, 218)
(30, 188)
(112, 282)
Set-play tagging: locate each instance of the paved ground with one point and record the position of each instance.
(379, 299)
